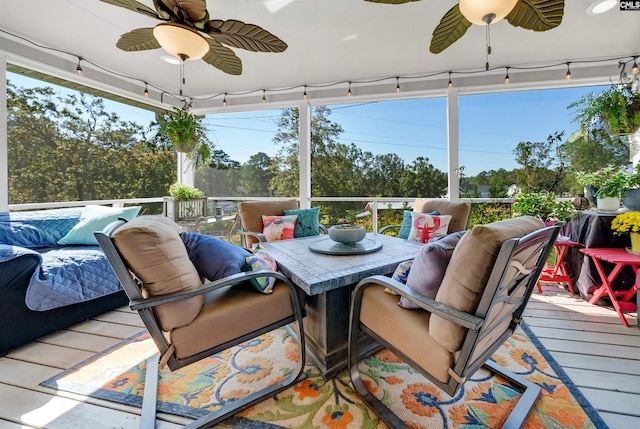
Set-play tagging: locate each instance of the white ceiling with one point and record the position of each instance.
(331, 42)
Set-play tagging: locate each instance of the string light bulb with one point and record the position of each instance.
(304, 95)
(224, 100)
(397, 83)
(450, 84)
(506, 77)
(349, 91)
(634, 67)
(264, 96)
(79, 70)
(567, 75)
(146, 90)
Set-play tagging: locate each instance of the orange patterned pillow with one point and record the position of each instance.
(278, 227)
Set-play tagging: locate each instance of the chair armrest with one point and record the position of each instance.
(323, 229)
(388, 227)
(190, 292)
(459, 317)
(258, 235)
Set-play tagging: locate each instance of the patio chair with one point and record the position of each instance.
(478, 306)
(188, 320)
(250, 214)
(458, 210)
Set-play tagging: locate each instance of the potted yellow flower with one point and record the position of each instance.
(628, 222)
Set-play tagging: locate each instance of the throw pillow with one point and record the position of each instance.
(96, 218)
(400, 274)
(260, 259)
(405, 229)
(429, 266)
(214, 258)
(425, 227)
(278, 227)
(308, 222)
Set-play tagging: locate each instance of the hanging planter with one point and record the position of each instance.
(186, 133)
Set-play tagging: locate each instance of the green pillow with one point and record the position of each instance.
(96, 218)
(308, 222)
(405, 229)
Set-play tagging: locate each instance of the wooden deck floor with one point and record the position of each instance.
(599, 354)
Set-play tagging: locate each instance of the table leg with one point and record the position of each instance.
(605, 289)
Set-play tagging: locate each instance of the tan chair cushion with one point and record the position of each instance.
(408, 330)
(469, 270)
(154, 252)
(251, 213)
(225, 316)
(458, 210)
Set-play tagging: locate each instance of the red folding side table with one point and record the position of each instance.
(621, 258)
(559, 271)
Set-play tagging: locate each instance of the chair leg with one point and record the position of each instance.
(150, 395)
(527, 400)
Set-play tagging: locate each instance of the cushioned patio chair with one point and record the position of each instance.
(251, 212)
(188, 320)
(458, 210)
(490, 277)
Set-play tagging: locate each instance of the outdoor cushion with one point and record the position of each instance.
(429, 267)
(38, 228)
(278, 227)
(214, 258)
(260, 259)
(425, 227)
(154, 252)
(400, 274)
(405, 228)
(96, 218)
(458, 210)
(308, 222)
(469, 270)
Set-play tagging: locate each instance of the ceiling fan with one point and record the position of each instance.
(536, 15)
(187, 33)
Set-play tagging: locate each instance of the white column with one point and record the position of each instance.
(453, 144)
(186, 170)
(634, 147)
(305, 155)
(4, 150)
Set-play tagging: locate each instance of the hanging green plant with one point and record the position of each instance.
(186, 133)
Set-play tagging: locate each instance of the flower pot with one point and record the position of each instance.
(608, 203)
(631, 199)
(635, 241)
(347, 234)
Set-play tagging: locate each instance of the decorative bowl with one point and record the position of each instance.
(347, 234)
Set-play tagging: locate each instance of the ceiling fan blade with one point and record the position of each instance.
(452, 26)
(140, 39)
(244, 36)
(182, 10)
(222, 58)
(537, 15)
(391, 1)
(134, 6)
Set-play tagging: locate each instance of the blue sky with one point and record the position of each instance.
(490, 126)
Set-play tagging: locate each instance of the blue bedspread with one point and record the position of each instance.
(66, 275)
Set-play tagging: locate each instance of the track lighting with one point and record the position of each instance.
(146, 91)
(634, 67)
(79, 70)
(224, 100)
(450, 84)
(397, 84)
(349, 91)
(567, 75)
(264, 96)
(304, 95)
(506, 77)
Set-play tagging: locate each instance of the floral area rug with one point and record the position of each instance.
(484, 401)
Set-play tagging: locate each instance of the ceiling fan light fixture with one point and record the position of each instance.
(601, 6)
(476, 10)
(181, 41)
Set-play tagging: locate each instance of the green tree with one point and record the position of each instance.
(256, 175)
(543, 165)
(421, 179)
(595, 149)
(220, 177)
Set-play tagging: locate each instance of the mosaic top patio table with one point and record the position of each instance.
(328, 281)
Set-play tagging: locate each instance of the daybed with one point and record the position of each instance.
(52, 275)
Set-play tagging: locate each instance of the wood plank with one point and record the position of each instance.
(604, 380)
(591, 337)
(615, 421)
(582, 348)
(5, 424)
(585, 326)
(571, 315)
(106, 329)
(80, 341)
(50, 355)
(122, 318)
(597, 363)
(613, 402)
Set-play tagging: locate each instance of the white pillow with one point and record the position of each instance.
(96, 218)
(425, 227)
